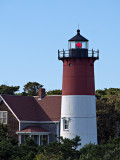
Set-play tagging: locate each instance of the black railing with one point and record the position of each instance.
(80, 54)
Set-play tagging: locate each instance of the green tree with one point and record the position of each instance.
(28, 150)
(3, 131)
(55, 92)
(8, 145)
(66, 148)
(31, 88)
(108, 113)
(109, 151)
(10, 90)
(7, 150)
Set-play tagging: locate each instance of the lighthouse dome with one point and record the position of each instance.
(78, 37)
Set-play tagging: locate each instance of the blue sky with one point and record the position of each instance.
(32, 31)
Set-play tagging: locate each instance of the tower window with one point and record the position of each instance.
(3, 117)
(70, 64)
(65, 124)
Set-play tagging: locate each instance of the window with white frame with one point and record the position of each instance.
(3, 117)
(65, 124)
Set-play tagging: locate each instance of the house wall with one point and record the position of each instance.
(51, 127)
(12, 122)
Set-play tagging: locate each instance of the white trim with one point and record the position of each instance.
(19, 139)
(39, 140)
(10, 108)
(48, 95)
(39, 121)
(19, 126)
(48, 139)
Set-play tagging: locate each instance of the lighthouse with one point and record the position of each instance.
(78, 106)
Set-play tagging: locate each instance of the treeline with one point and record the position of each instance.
(107, 107)
(108, 129)
(108, 113)
(29, 89)
(63, 150)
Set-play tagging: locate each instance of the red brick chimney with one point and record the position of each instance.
(41, 93)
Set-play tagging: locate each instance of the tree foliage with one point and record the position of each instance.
(10, 90)
(63, 150)
(109, 151)
(3, 131)
(31, 88)
(108, 117)
(108, 113)
(55, 92)
(29, 149)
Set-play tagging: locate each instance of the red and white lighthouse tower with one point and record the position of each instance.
(78, 110)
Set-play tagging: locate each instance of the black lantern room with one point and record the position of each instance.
(78, 42)
(78, 48)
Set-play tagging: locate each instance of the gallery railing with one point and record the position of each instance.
(73, 53)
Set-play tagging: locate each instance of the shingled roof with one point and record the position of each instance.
(27, 108)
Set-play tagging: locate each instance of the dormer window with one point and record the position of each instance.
(3, 117)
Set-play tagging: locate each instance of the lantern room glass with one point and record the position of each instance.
(72, 44)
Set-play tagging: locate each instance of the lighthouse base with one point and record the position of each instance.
(78, 118)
